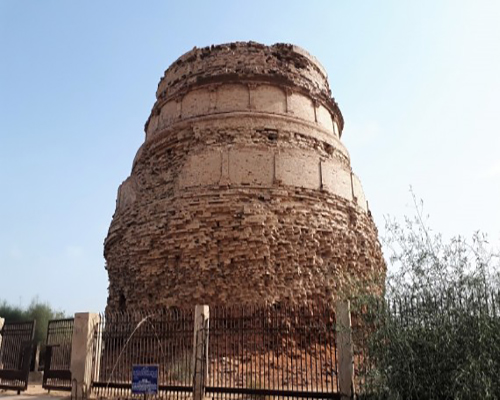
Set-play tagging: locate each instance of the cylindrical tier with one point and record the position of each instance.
(242, 191)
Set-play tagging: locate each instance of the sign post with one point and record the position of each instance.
(145, 379)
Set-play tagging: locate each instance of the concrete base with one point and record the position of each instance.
(35, 377)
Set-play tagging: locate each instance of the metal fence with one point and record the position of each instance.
(163, 338)
(253, 352)
(15, 354)
(57, 374)
(426, 336)
(278, 351)
(366, 317)
(422, 309)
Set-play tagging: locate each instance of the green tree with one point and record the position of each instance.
(40, 311)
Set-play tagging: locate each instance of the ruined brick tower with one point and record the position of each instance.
(242, 191)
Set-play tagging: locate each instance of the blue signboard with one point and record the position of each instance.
(144, 379)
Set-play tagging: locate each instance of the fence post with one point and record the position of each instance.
(81, 353)
(2, 321)
(345, 350)
(35, 362)
(200, 351)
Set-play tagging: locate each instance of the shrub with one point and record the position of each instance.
(437, 333)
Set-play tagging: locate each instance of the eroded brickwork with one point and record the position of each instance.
(242, 191)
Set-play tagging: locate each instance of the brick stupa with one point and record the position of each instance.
(242, 191)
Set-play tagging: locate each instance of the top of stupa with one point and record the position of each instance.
(284, 64)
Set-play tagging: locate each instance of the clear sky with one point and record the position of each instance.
(418, 83)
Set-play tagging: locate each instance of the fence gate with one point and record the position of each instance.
(16, 349)
(282, 351)
(56, 373)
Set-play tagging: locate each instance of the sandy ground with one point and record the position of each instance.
(34, 392)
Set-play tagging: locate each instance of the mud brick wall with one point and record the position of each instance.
(242, 191)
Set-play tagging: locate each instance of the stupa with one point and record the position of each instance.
(242, 191)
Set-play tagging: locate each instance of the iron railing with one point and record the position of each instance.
(404, 333)
(57, 374)
(366, 318)
(276, 351)
(15, 354)
(123, 339)
(253, 352)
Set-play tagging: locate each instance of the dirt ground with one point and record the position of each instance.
(34, 391)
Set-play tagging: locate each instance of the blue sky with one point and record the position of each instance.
(418, 84)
